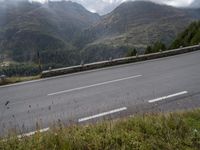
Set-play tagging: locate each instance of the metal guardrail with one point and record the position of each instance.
(114, 62)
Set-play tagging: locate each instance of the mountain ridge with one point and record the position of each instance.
(65, 33)
(138, 24)
(30, 28)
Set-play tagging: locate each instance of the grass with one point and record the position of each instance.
(175, 131)
(12, 80)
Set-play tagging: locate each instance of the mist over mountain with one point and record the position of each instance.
(27, 28)
(65, 33)
(195, 4)
(105, 6)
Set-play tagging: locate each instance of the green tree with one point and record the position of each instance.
(148, 50)
(191, 36)
(131, 52)
(156, 47)
(159, 46)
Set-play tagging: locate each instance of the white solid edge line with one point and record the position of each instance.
(32, 133)
(102, 114)
(166, 97)
(93, 85)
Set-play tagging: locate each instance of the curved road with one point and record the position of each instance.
(166, 84)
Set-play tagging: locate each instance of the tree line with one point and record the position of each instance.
(189, 37)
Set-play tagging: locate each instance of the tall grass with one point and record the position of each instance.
(175, 131)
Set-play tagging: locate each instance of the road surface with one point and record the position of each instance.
(166, 84)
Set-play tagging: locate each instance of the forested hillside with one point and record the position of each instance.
(191, 36)
(32, 30)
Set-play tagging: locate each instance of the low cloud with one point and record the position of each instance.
(105, 6)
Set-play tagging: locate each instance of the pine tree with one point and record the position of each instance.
(191, 36)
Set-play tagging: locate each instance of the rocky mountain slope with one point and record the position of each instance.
(65, 33)
(140, 23)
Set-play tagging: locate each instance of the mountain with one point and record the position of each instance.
(64, 33)
(138, 24)
(27, 29)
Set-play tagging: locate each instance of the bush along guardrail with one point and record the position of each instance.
(74, 69)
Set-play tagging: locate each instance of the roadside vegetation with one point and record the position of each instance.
(18, 73)
(189, 37)
(131, 52)
(179, 131)
(156, 47)
(16, 79)
(24, 69)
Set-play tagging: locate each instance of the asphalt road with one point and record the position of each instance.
(166, 84)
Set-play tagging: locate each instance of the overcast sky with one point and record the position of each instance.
(105, 6)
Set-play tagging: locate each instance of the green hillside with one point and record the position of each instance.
(191, 36)
(27, 29)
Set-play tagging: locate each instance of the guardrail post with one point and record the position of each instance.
(3, 78)
(82, 63)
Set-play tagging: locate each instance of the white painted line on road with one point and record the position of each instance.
(103, 114)
(32, 133)
(166, 97)
(93, 85)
